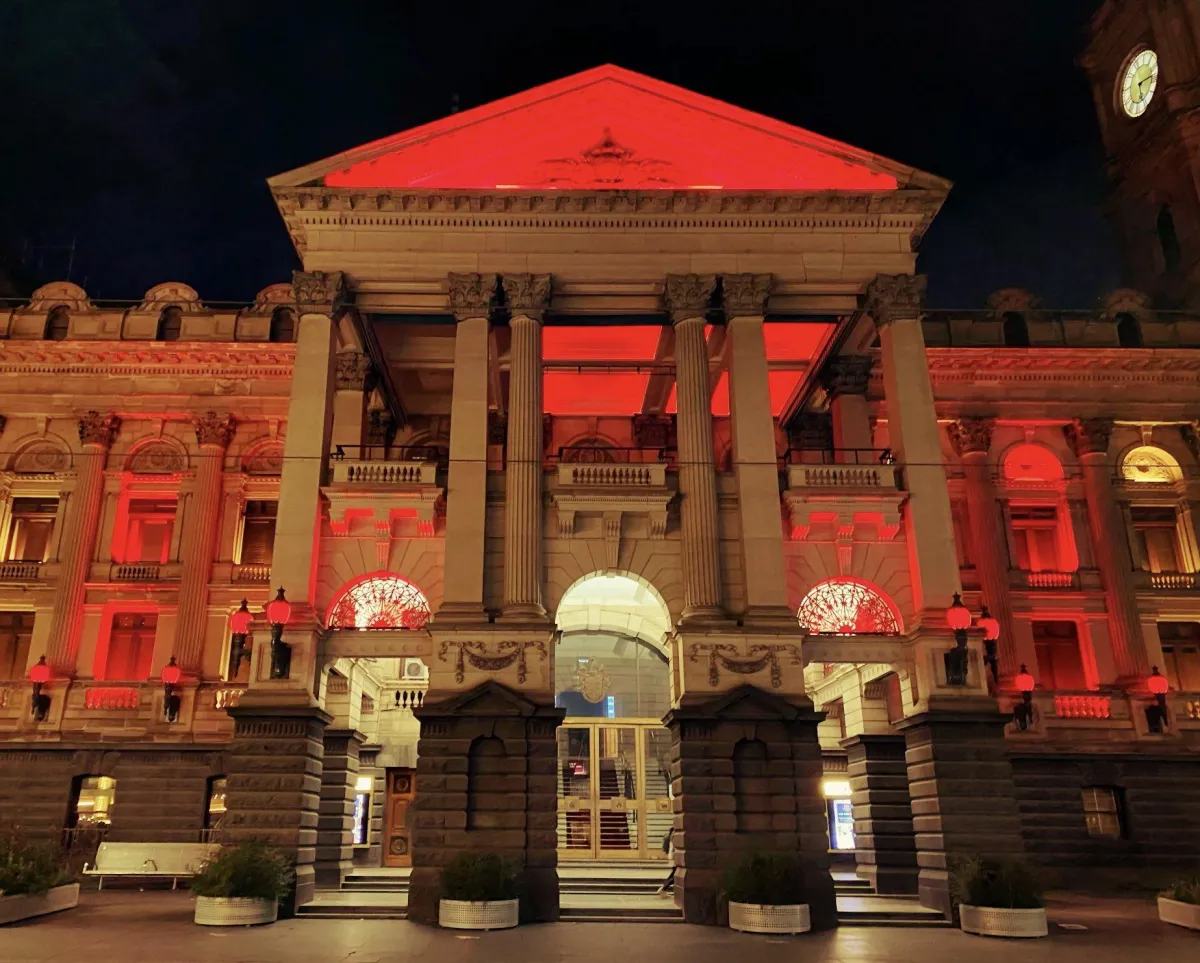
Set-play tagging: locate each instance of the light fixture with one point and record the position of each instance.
(171, 674)
(1023, 712)
(239, 622)
(39, 675)
(958, 617)
(278, 610)
(991, 634)
(1156, 713)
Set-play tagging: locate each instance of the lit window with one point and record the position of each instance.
(1059, 659)
(1181, 654)
(1156, 530)
(130, 647)
(382, 601)
(1102, 811)
(16, 632)
(94, 801)
(215, 811)
(148, 538)
(1036, 534)
(362, 809)
(848, 607)
(30, 529)
(258, 533)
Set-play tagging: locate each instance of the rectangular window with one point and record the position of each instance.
(16, 631)
(151, 522)
(1181, 654)
(94, 801)
(1154, 527)
(31, 528)
(131, 647)
(258, 533)
(362, 809)
(1059, 661)
(1102, 811)
(1035, 533)
(215, 811)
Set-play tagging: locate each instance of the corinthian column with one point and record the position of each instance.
(1089, 439)
(527, 296)
(687, 297)
(96, 433)
(213, 434)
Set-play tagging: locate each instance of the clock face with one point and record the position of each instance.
(1138, 80)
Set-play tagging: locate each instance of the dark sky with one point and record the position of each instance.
(144, 129)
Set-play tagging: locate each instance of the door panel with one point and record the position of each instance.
(617, 790)
(401, 790)
(576, 838)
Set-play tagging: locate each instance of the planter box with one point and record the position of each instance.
(755, 918)
(993, 921)
(1181, 914)
(457, 914)
(220, 911)
(14, 908)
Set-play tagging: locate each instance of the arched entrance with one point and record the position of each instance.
(612, 676)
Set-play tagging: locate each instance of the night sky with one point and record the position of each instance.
(144, 129)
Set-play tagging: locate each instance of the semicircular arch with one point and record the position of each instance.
(1028, 463)
(378, 600)
(1150, 464)
(848, 606)
(618, 602)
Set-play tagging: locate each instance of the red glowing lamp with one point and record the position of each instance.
(958, 616)
(1025, 680)
(171, 673)
(990, 625)
(1158, 682)
(240, 621)
(39, 673)
(278, 609)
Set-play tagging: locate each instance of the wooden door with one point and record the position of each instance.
(401, 790)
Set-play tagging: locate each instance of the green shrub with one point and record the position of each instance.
(765, 879)
(479, 877)
(250, 870)
(29, 868)
(1184, 890)
(996, 883)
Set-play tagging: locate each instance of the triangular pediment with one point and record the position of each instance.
(486, 699)
(608, 129)
(746, 703)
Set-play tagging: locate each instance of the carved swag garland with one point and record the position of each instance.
(760, 657)
(478, 654)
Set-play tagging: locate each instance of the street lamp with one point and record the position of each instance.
(39, 675)
(1023, 712)
(171, 674)
(1156, 714)
(239, 622)
(278, 610)
(991, 633)
(958, 617)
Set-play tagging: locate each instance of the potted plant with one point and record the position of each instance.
(242, 885)
(1180, 904)
(766, 894)
(479, 892)
(33, 881)
(997, 897)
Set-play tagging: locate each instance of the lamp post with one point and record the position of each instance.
(39, 675)
(991, 635)
(1156, 713)
(239, 622)
(278, 610)
(171, 674)
(958, 617)
(1023, 711)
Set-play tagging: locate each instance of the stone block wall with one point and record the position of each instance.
(335, 818)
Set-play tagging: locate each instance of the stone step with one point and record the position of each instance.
(331, 912)
(605, 914)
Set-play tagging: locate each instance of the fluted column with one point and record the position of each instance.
(213, 434)
(527, 297)
(688, 297)
(96, 433)
(1089, 439)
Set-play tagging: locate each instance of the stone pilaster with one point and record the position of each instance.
(961, 784)
(273, 792)
(885, 845)
(198, 550)
(687, 298)
(527, 296)
(845, 380)
(746, 776)
(96, 434)
(354, 378)
(334, 856)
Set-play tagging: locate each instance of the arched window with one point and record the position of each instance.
(383, 600)
(1129, 332)
(486, 770)
(283, 325)
(846, 606)
(752, 788)
(1031, 465)
(170, 324)
(1016, 331)
(1146, 463)
(58, 324)
(1168, 240)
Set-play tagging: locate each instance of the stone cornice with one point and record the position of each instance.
(148, 359)
(990, 366)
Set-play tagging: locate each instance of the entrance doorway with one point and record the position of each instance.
(401, 790)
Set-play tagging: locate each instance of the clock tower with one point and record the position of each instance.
(1143, 62)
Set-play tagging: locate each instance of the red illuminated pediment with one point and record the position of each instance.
(607, 128)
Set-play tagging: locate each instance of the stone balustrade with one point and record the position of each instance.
(1165, 581)
(126, 697)
(1082, 705)
(20, 571)
(251, 572)
(382, 473)
(834, 477)
(608, 475)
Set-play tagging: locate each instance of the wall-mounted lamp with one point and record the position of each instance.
(991, 634)
(239, 622)
(1156, 712)
(1023, 711)
(278, 610)
(39, 675)
(958, 617)
(171, 674)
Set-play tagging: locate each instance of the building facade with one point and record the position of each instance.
(616, 479)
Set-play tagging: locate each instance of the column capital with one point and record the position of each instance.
(319, 292)
(214, 430)
(688, 295)
(98, 429)
(526, 295)
(1089, 436)
(471, 295)
(894, 297)
(745, 295)
(353, 371)
(971, 435)
(847, 375)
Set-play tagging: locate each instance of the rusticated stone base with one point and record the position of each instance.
(273, 788)
(963, 796)
(335, 820)
(486, 783)
(746, 774)
(885, 845)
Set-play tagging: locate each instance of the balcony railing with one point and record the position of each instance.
(1082, 705)
(1172, 580)
(224, 698)
(1051, 580)
(830, 477)
(613, 475)
(136, 572)
(409, 696)
(19, 571)
(252, 572)
(112, 697)
(383, 473)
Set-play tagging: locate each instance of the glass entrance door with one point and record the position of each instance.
(603, 807)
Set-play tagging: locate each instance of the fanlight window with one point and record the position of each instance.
(1150, 464)
(847, 607)
(380, 602)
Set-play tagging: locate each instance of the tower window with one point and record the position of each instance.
(1129, 332)
(1168, 240)
(283, 325)
(1016, 331)
(58, 325)
(170, 324)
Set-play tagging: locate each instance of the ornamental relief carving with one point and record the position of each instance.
(214, 429)
(1089, 436)
(41, 457)
(745, 295)
(98, 429)
(971, 435)
(892, 297)
(318, 291)
(527, 294)
(156, 458)
(490, 660)
(266, 459)
(689, 295)
(847, 375)
(472, 295)
(723, 655)
(354, 371)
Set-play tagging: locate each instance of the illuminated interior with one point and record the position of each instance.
(1032, 464)
(846, 606)
(379, 601)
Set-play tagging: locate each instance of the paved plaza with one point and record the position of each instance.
(157, 926)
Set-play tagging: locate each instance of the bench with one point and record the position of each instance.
(149, 860)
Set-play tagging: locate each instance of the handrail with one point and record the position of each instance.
(438, 453)
(616, 454)
(839, 456)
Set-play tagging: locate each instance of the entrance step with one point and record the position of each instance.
(887, 911)
(330, 904)
(612, 908)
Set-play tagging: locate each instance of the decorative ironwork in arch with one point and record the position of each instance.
(380, 601)
(844, 606)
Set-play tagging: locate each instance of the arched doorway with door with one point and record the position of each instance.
(613, 679)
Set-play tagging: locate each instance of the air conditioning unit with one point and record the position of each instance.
(414, 669)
